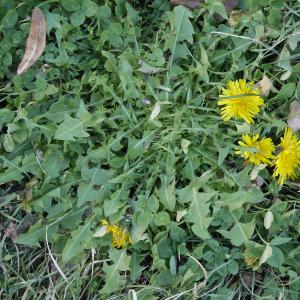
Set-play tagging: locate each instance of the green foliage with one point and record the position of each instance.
(118, 120)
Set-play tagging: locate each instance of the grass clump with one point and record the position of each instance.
(119, 177)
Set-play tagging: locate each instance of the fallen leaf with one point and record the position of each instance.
(259, 181)
(266, 254)
(254, 173)
(180, 214)
(187, 3)
(147, 69)
(101, 231)
(45, 68)
(265, 85)
(11, 231)
(286, 75)
(294, 116)
(36, 41)
(155, 112)
(185, 145)
(268, 219)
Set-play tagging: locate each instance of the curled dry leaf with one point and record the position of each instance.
(187, 3)
(268, 219)
(266, 254)
(155, 112)
(36, 41)
(101, 231)
(11, 231)
(185, 145)
(254, 173)
(147, 69)
(265, 85)
(294, 116)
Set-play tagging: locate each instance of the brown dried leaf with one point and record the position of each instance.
(187, 3)
(265, 85)
(36, 41)
(11, 231)
(294, 116)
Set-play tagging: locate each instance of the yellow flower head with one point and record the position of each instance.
(288, 160)
(256, 151)
(120, 236)
(242, 100)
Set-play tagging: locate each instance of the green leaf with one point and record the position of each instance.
(274, 18)
(164, 248)
(223, 152)
(178, 234)
(76, 243)
(144, 218)
(181, 24)
(114, 203)
(233, 267)
(103, 12)
(86, 192)
(199, 211)
(280, 241)
(10, 19)
(69, 129)
(135, 268)
(240, 233)
(286, 92)
(113, 278)
(71, 5)
(77, 18)
(97, 175)
(185, 195)
(218, 7)
(89, 7)
(35, 234)
(277, 258)
(7, 59)
(237, 199)
(8, 143)
(173, 265)
(6, 116)
(183, 29)
(53, 163)
(166, 194)
(15, 172)
(284, 60)
(162, 219)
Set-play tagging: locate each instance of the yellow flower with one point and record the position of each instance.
(256, 151)
(242, 100)
(120, 236)
(288, 160)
